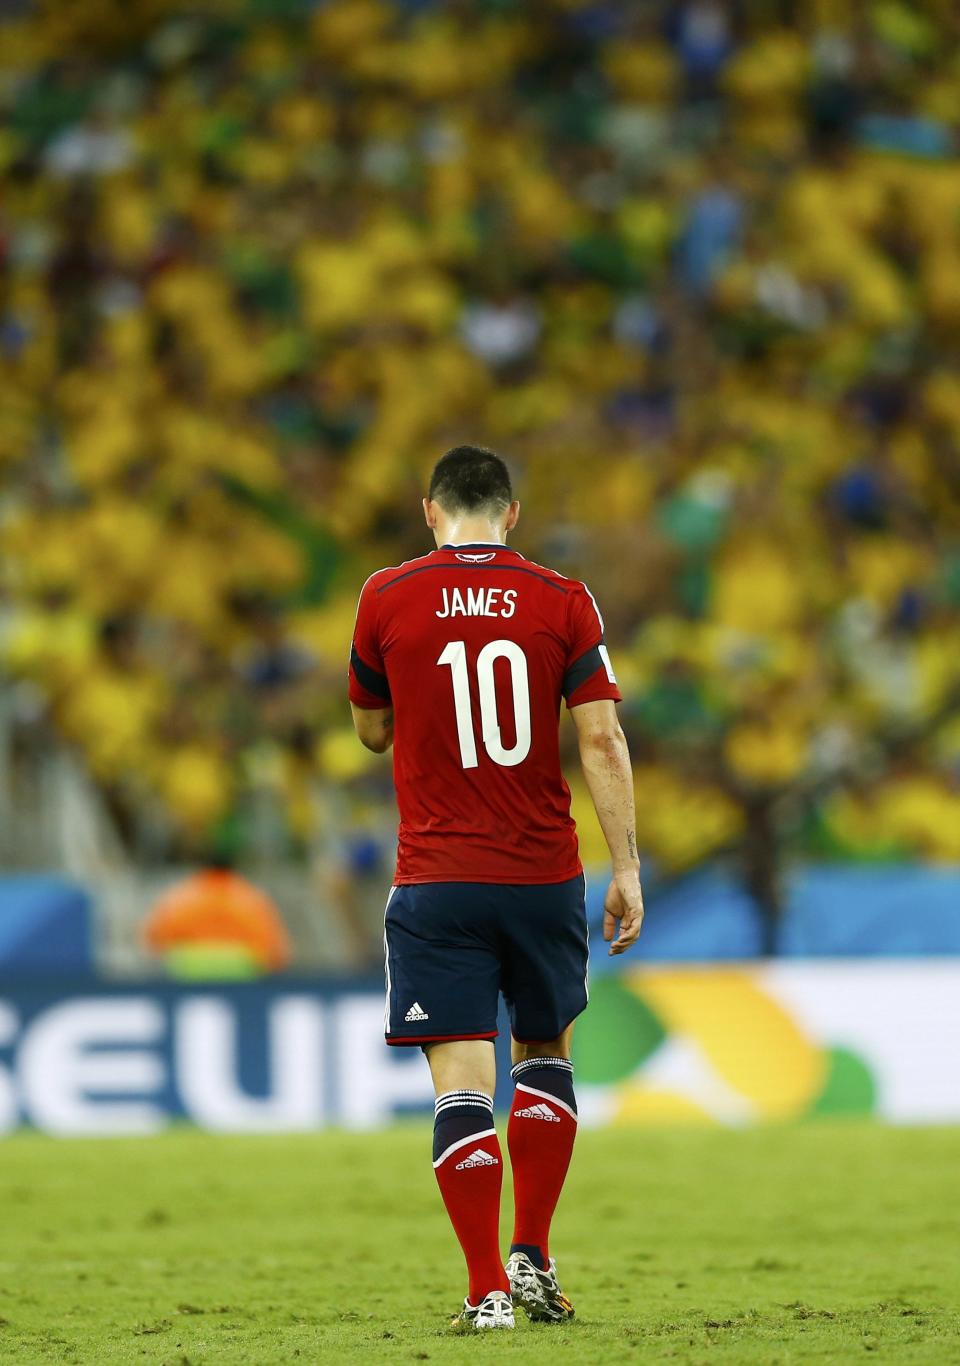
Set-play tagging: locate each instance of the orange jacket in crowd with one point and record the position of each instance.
(218, 907)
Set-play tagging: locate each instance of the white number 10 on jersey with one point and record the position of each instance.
(455, 655)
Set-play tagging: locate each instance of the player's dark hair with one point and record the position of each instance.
(471, 479)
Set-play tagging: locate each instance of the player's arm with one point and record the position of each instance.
(374, 727)
(371, 704)
(606, 768)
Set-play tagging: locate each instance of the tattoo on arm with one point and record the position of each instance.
(632, 844)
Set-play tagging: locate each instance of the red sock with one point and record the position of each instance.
(540, 1135)
(469, 1168)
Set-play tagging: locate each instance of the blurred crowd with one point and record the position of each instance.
(693, 268)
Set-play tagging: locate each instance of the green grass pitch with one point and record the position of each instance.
(825, 1242)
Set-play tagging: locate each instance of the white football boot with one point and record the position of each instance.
(494, 1311)
(536, 1292)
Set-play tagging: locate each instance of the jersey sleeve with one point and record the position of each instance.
(588, 675)
(368, 677)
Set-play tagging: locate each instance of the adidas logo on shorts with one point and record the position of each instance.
(478, 1158)
(416, 1012)
(538, 1112)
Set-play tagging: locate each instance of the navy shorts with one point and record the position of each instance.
(453, 947)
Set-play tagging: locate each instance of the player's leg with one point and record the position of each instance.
(462, 1065)
(540, 1134)
(467, 1159)
(442, 990)
(547, 989)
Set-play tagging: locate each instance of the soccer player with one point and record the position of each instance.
(460, 660)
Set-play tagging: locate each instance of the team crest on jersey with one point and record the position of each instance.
(477, 557)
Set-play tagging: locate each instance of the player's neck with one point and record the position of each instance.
(470, 532)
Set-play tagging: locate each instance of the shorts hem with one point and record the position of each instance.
(575, 1016)
(395, 1040)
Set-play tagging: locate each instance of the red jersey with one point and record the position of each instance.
(474, 646)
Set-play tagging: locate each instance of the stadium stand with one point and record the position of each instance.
(693, 268)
